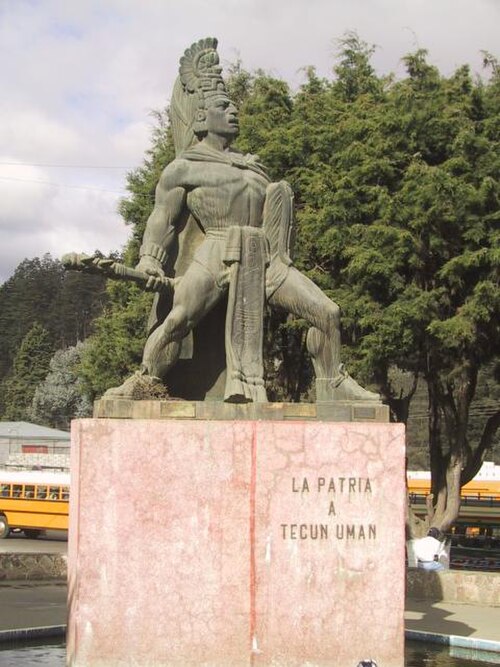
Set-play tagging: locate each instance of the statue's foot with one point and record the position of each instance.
(343, 388)
(139, 386)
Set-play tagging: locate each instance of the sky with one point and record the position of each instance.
(80, 78)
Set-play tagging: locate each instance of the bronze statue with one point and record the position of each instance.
(223, 229)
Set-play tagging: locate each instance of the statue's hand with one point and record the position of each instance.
(153, 268)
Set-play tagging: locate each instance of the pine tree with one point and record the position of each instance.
(60, 397)
(30, 367)
(64, 303)
(413, 257)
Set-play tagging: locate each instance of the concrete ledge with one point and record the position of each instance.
(470, 643)
(340, 411)
(24, 634)
(33, 567)
(475, 588)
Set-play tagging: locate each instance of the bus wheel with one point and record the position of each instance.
(4, 527)
(32, 533)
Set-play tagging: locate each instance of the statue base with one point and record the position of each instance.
(339, 411)
(229, 543)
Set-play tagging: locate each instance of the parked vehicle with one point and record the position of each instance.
(33, 501)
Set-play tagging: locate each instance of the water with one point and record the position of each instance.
(49, 654)
(418, 654)
(422, 654)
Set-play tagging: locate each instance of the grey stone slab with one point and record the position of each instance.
(219, 410)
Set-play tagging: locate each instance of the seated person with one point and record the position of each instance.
(431, 551)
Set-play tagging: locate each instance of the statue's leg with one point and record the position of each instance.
(196, 293)
(300, 296)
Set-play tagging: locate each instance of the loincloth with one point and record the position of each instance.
(212, 255)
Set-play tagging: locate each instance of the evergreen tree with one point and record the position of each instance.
(25, 298)
(60, 398)
(403, 230)
(30, 367)
(64, 303)
(114, 350)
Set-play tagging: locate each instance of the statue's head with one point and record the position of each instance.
(200, 102)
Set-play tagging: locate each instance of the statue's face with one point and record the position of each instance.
(222, 118)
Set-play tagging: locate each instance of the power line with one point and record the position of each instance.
(63, 166)
(60, 185)
(122, 193)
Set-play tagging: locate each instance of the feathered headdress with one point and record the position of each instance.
(199, 80)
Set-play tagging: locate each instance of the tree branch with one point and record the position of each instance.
(491, 427)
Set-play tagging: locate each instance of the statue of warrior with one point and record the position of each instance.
(226, 228)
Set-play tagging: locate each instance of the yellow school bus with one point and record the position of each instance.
(33, 501)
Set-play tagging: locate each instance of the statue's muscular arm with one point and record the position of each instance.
(161, 227)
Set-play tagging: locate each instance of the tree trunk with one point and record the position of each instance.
(449, 403)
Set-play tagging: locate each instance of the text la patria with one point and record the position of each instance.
(332, 488)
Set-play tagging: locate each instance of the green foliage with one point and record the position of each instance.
(265, 108)
(398, 221)
(115, 349)
(355, 74)
(30, 367)
(64, 303)
(60, 398)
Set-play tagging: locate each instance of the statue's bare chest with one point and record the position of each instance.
(223, 195)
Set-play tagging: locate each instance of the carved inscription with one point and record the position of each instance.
(332, 490)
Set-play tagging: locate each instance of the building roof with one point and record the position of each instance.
(489, 471)
(25, 430)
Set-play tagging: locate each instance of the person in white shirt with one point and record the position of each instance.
(430, 551)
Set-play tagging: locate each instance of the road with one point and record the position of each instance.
(31, 604)
(55, 541)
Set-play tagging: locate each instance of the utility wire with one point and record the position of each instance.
(122, 193)
(60, 185)
(62, 166)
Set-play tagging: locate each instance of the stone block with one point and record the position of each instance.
(33, 567)
(340, 411)
(457, 586)
(229, 543)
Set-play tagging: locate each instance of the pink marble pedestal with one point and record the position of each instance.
(236, 543)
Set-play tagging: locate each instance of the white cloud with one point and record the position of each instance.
(22, 192)
(85, 221)
(80, 78)
(31, 133)
(39, 216)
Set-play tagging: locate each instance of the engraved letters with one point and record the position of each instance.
(336, 491)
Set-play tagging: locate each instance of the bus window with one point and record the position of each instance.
(54, 493)
(65, 493)
(41, 492)
(5, 490)
(17, 490)
(29, 491)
